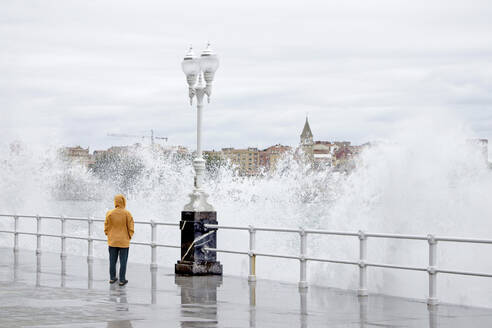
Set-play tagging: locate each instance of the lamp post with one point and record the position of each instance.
(195, 237)
(199, 68)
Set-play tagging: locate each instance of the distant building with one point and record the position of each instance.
(247, 160)
(213, 157)
(122, 149)
(270, 156)
(251, 160)
(77, 155)
(337, 154)
(323, 152)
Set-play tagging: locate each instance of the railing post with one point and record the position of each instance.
(16, 234)
(153, 263)
(431, 269)
(302, 259)
(38, 243)
(252, 255)
(433, 316)
(90, 242)
(252, 304)
(362, 264)
(363, 312)
(304, 307)
(63, 254)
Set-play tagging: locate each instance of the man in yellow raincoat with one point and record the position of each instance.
(119, 228)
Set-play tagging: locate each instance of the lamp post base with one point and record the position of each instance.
(198, 202)
(198, 268)
(195, 239)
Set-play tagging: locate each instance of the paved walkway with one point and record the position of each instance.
(49, 299)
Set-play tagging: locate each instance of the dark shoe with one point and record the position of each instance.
(112, 281)
(123, 282)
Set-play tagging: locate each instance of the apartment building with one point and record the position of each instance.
(246, 160)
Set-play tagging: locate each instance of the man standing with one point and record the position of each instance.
(119, 228)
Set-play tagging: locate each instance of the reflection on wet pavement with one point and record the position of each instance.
(161, 299)
(198, 300)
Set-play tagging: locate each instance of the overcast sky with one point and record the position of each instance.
(73, 71)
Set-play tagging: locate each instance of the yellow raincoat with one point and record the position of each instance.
(118, 225)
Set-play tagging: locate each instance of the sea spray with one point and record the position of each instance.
(426, 179)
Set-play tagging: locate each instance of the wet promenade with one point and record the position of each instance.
(48, 299)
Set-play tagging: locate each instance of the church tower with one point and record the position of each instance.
(306, 135)
(307, 141)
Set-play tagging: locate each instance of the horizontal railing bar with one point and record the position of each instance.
(347, 233)
(81, 238)
(278, 229)
(46, 235)
(134, 242)
(19, 216)
(277, 255)
(225, 251)
(254, 228)
(323, 232)
(168, 246)
(331, 261)
(465, 273)
(140, 243)
(395, 236)
(51, 235)
(75, 237)
(75, 218)
(328, 232)
(391, 266)
(464, 240)
(54, 236)
(50, 217)
(167, 224)
(215, 226)
(68, 218)
(141, 222)
(20, 232)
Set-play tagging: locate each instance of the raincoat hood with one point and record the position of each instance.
(119, 201)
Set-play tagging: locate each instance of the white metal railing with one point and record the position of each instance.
(362, 262)
(90, 238)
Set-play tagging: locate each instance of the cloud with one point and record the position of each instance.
(72, 71)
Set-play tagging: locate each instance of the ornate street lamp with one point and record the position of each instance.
(199, 69)
(195, 237)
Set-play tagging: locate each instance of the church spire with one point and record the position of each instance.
(306, 135)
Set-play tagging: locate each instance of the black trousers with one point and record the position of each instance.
(114, 252)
